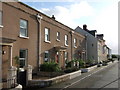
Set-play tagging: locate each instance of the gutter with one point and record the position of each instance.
(71, 33)
(39, 17)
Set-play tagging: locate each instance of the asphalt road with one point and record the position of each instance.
(103, 77)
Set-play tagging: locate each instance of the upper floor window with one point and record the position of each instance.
(66, 40)
(47, 34)
(46, 58)
(58, 36)
(23, 28)
(75, 42)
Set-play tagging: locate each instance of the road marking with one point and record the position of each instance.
(80, 79)
(85, 77)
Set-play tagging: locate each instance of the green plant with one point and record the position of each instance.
(17, 62)
(81, 63)
(70, 63)
(50, 67)
(90, 62)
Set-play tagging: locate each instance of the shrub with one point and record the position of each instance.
(17, 62)
(70, 63)
(81, 63)
(114, 56)
(49, 67)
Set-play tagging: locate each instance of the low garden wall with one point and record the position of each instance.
(49, 74)
(55, 80)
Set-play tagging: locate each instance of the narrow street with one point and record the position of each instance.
(103, 77)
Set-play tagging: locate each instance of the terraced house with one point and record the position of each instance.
(104, 52)
(96, 48)
(35, 38)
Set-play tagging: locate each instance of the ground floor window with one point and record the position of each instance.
(66, 57)
(46, 58)
(23, 57)
(57, 57)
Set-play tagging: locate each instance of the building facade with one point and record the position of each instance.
(104, 53)
(91, 43)
(35, 38)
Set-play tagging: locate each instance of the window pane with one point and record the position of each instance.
(22, 53)
(46, 31)
(66, 39)
(46, 56)
(23, 24)
(22, 57)
(22, 63)
(23, 28)
(47, 34)
(23, 32)
(58, 35)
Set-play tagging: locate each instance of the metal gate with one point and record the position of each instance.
(22, 78)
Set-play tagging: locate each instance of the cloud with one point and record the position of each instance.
(68, 14)
(104, 22)
(107, 23)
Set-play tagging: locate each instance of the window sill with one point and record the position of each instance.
(47, 41)
(23, 37)
(58, 40)
(75, 46)
(1, 26)
(66, 45)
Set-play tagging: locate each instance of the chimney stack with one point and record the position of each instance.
(53, 17)
(84, 27)
(100, 36)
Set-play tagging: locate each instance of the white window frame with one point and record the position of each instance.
(25, 58)
(58, 36)
(66, 40)
(24, 28)
(46, 59)
(1, 26)
(47, 35)
(75, 43)
(66, 57)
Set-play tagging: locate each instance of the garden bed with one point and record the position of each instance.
(49, 74)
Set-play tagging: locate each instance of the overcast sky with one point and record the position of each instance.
(100, 15)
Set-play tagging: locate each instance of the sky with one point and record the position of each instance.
(100, 15)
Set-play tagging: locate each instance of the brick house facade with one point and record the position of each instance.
(36, 40)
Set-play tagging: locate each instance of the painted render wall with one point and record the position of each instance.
(92, 53)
